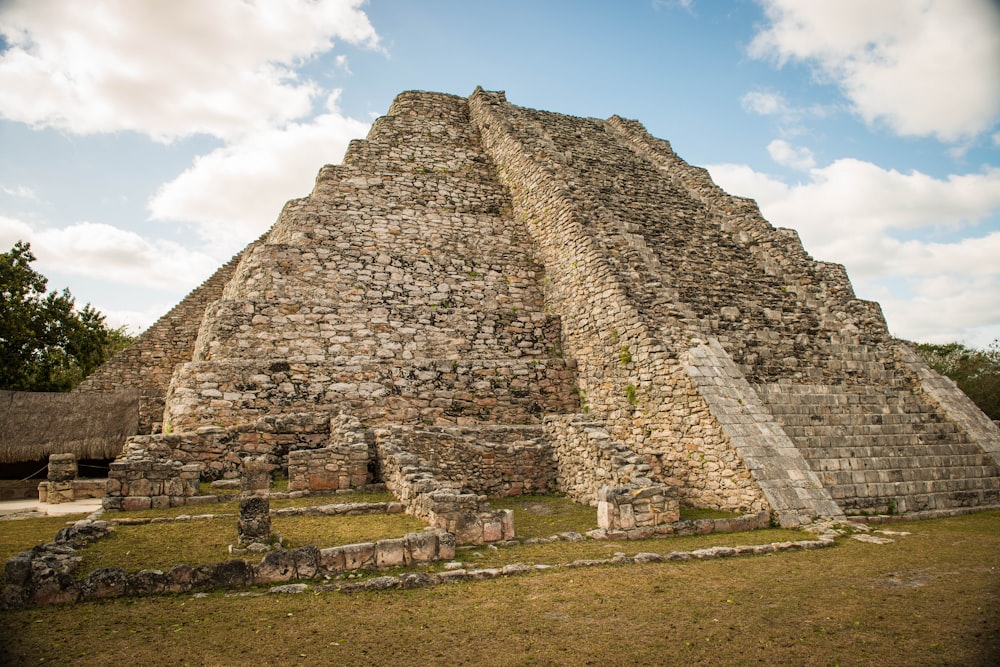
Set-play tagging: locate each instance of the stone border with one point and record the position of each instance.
(410, 580)
(921, 516)
(44, 575)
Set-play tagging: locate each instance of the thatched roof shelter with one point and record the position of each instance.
(92, 426)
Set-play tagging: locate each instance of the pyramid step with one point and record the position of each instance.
(854, 502)
(824, 439)
(430, 391)
(374, 277)
(977, 476)
(409, 186)
(957, 451)
(890, 423)
(323, 331)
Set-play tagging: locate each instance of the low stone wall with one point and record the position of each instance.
(489, 460)
(629, 507)
(146, 482)
(334, 467)
(440, 502)
(77, 489)
(299, 443)
(45, 574)
(12, 489)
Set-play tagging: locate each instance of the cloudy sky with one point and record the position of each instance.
(144, 142)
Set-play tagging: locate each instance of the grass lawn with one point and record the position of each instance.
(930, 598)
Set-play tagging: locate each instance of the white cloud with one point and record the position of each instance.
(19, 191)
(765, 104)
(167, 69)
(108, 253)
(881, 224)
(235, 192)
(924, 68)
(787, 155)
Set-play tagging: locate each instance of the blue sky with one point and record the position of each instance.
(142, 143)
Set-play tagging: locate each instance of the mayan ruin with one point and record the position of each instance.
(486, 300)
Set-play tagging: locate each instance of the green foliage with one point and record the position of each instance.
(45, 343)
(977, 372)
(625, 356)
(630, 395)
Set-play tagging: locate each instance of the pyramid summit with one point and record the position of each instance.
(488, 300)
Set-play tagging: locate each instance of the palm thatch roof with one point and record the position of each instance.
(92, 425)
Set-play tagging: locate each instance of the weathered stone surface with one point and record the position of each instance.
(231, 574)
(104, 583)
(277, 565)
(255, 519)
(359, 556)
(307, 562)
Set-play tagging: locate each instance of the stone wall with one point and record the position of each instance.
(206, 454)
(427, 494)
(493, 461)
(323, 332)
(346, 463)
(594, 469)
(47, 574)
(588, 458)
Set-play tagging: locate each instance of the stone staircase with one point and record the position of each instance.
(883, 452)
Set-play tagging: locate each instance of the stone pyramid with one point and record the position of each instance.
(489, 300)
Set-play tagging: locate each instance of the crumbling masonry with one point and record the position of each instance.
(489, 300)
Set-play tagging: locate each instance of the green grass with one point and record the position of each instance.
(324, 531)
(929, 598)
(695, 513)
(160, 546)
(544, 516)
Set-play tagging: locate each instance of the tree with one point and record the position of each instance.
(976, 372)
(45, 343)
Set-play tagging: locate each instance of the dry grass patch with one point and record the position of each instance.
(232, 506)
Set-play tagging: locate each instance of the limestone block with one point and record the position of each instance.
(104, 583)
(359, 556)
(391, 552)
(307, 562)
(331, 560)
(276, 566)
(421, 547)
(135, 503)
